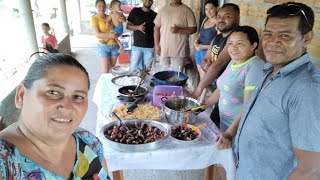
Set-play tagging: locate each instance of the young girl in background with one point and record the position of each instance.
(49, 41)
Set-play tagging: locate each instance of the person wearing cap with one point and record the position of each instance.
(278, 134)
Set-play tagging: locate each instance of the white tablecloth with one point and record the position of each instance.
(174, 155)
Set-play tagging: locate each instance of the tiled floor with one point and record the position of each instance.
(84, 49)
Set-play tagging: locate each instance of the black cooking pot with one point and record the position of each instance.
(127, 96)
(163, 78)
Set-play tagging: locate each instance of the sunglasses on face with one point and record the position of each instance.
(291, 9)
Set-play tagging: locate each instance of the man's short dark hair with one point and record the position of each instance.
(294, 9)
(235, 7)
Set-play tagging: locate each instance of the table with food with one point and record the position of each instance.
(148, 126)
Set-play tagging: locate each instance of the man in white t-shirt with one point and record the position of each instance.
(173, 25)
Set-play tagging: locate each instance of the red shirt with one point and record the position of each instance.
(50, 40)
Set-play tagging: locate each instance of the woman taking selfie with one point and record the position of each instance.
(46, 142)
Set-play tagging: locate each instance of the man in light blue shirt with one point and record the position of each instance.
(279, 132)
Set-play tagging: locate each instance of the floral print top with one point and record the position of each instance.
(88, 163)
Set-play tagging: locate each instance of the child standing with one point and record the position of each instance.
(49, 41)
(116, 17)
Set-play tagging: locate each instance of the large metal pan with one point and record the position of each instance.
(137, 147)
(176, 116)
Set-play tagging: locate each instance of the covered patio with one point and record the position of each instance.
(80, 42)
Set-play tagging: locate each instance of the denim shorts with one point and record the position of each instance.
(141, 57)
(107, 50)
(199, 55)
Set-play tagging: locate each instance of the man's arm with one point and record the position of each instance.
(132, 27)
(214, 70)
(185, 31)
(308, 165)
(156, 38)
(303, 115)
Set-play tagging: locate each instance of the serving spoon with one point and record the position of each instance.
(144, 73)
(197, 128)
(120, 120)
(199, 108)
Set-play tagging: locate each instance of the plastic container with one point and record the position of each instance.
(161, 93)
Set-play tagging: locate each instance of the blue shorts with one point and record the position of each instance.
(107, 50)
(118, 30)
(198, 56)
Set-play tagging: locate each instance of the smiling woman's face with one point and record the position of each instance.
(239, 46)
(210, 10)
(101, 7)
(55, 105)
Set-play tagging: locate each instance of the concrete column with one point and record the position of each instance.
(27, 24)
(77, 19)
(63, 16)
(222, 2)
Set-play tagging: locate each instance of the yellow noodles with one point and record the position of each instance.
(143, 111)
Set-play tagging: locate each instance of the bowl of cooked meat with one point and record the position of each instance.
(136, 135)
(185, 132)
(173, 78)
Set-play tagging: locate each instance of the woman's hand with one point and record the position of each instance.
(224, 141)
(205, 64)
(122, 18)
(198, 47)
(113, 35)
(108, 24)
(196, 43)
